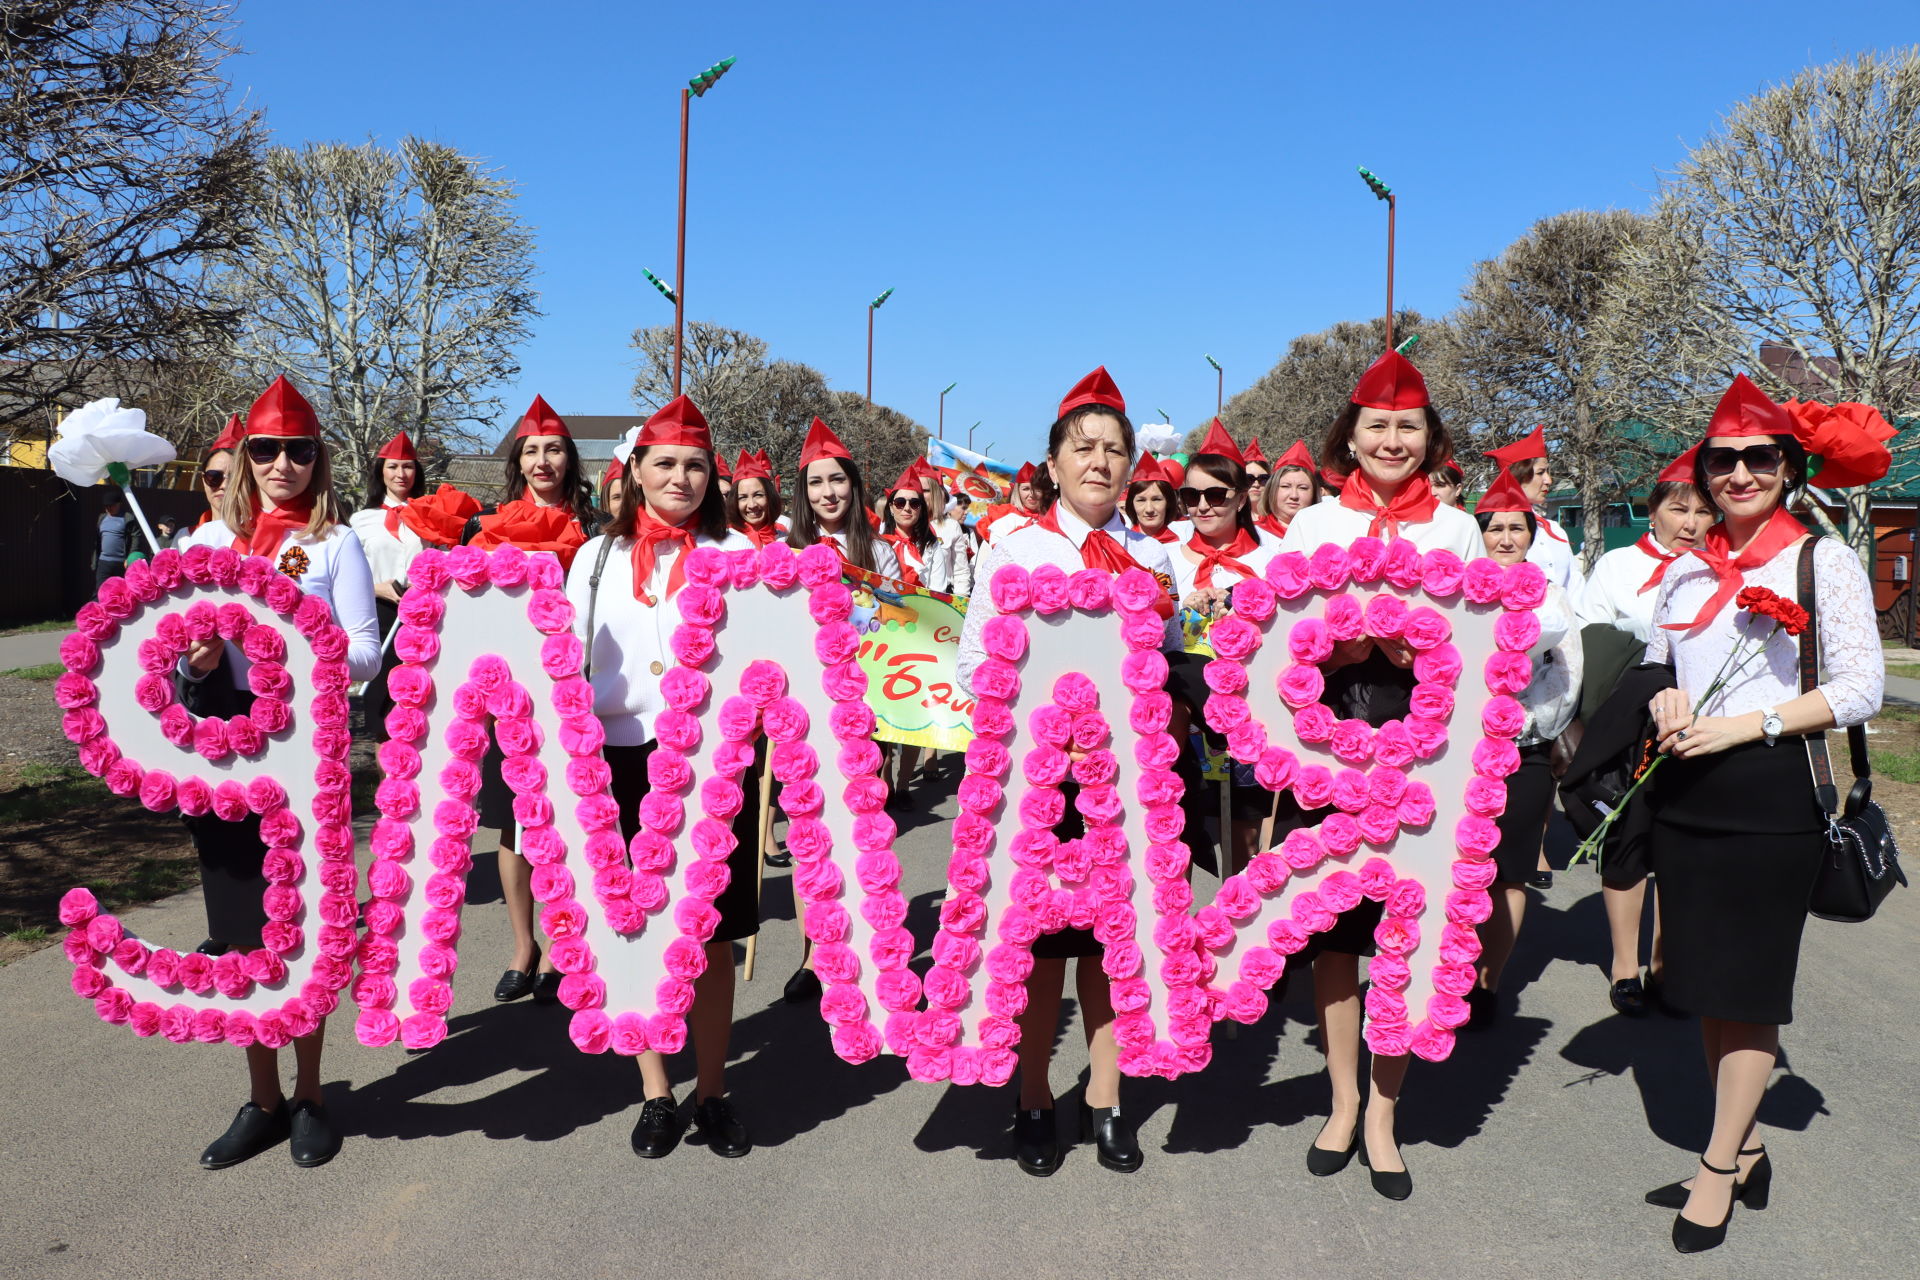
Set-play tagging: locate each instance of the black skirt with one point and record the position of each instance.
(496, 797)
(375, 702)
(1737, 840)
(1524, 823)
(231, 853)
(1069, 942)
(738, 903)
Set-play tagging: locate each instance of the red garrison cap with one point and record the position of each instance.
(751, 466)
(1680, 469)
(1025, 474)
(399, 448)
(541, 420)
(1254, 453)
(1531, 445)
(821, 443)
(679, 421)
(1297, 455)
(1147, 470)
(1745, 410)
(282, 411)
(1095, 388)
(1391, 382)
(1504, 495)
(229, 437)
(1219, 442)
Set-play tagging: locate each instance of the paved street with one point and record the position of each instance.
(504, 1151)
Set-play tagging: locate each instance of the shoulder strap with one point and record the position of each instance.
(1823, 782)
(593, 599)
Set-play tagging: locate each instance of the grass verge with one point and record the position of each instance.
(54, 624)
(53, 670)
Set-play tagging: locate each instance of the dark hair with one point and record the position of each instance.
(377, 482)
(774, 507)
(1522, 469)
(921, 536)
(1334, 446)
(1485, 518)
(1665, 491)
(858, 535)
(1793, 457)
(1174, 510)
(573, 484)
(1232, 474)
(1070, 424)
(709, 519)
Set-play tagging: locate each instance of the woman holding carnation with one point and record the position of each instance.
(548, 508)
(1088, 452)
(754, 506)
(279, 503)
(1295, 486)
(395, 479)
(1378, 452)
(1540, 713)
(1152, 505)
(1738, 831)
(671, 507)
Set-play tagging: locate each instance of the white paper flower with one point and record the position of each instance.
(1158, 437)
(101, 433)
(624, 449)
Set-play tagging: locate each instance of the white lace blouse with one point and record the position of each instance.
(1850, 652)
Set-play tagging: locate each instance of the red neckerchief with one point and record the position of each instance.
(1414, 504)
(1271, 524)
(270, 528)
(1164, 534)
(1652, 548)
(1716, 552)
(393, 518)
(1098, 551)
(1548, 527)
(903, 547)
(1212, 557)
(762, 534)
(649, 532)
(204, 517)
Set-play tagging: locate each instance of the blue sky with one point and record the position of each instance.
(1047, 186)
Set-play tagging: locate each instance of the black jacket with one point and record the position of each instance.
(1617, 739)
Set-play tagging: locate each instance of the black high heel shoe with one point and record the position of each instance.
(1114, 1140)
(1322, 1163)
(1394, 1186)
(1753, 1191)
(1036, 1143)
(1693, 1237)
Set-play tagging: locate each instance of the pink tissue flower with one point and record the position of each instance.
(1329, 567)
(1049, 586)
(1502, 716)
(1525, 586)
(1314, 722)
(1005, 638)
(1344, 619)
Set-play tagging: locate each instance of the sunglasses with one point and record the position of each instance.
(1214, 496)
(213, 479)
(300, 450)
(1760, 459)
(908, 504)
(1257, 478)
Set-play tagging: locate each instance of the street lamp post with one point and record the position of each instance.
(942, 428)
(1220, 387)
(1382, 191)
(696, 88)
(872, 307)
(970, 431)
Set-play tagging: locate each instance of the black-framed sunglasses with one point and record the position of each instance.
(1258, 478)
(1213, 496)
(1760, 459)
(300, 450)
(908, 504)
(213, 478)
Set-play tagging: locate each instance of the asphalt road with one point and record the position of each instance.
(504, 1151)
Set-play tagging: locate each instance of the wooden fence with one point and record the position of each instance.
(48, 536)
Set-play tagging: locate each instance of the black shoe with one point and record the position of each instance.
(213, 947)
(1694, 1237)
(1482, 1009)
(546, 988)
(779, 858)
(1114, 1140)
(1629, 998)
(1753, 1191)
(1394, 1186)
(515, 983)
(1036, 1144)
(1322, 1163)
(1541, 880)
(659, 1128)
(725, 1135)
(253, 1130)
(803, 987)
(315, 1140)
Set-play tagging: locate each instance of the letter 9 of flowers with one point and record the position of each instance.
(1073, 688)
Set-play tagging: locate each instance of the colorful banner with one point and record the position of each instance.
(910, 650)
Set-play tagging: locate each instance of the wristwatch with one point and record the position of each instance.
(1771, 725)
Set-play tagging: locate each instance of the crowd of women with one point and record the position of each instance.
(1737, 804)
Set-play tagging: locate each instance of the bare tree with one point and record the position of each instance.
(121, 169)
(1803, 215)
(393, 285)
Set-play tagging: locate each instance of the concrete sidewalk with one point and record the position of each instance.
(504, 1152)
(30, 649)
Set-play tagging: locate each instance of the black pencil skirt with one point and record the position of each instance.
(1523, 825)
(1737, 841)
(738, 903)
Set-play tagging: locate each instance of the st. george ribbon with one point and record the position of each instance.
(1072, 691)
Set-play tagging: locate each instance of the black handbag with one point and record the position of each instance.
(1861, 862)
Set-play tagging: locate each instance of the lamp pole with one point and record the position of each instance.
(696, 88)
(1220, 387)
(970, 431)
(872, 307)
(1382, 191)
(942, 428)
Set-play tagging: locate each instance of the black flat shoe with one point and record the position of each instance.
(659, 1128)
(315, 1141)
(1117, 1147)
(1036, 1143)
(253, 1130)
(725, 1136)
(1695, 1237)
(802, 987)
(1541, 880)
(1628, 997)
(515, 983)
(779, 858)
(546, 988)
(1322, 1163)
(1394, 1186)
(212, 947)
(1752, 1191)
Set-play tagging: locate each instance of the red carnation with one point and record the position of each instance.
(1761, 602)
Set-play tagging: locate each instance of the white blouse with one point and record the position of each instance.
(1850, 651)
(337, 572)
(629, 648)
(933, 565)
(953, 536)
(1032, 547)
(885, 563)
(388, 554)
(1186, 568)
(1450, 529)
(1553, 695)
(1613, 595)
(1554, 554)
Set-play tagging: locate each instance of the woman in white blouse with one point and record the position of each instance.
(831, 505)
(1089, 451)
(671, 506)
(390, 545)
(906, 526)
(1509, 526)
(1378, 451)
(279, 503)
(1738, 833)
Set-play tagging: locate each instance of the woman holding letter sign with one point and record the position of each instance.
(1089, 451)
